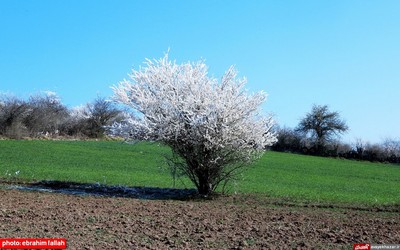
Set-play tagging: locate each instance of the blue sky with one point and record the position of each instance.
(343, 53)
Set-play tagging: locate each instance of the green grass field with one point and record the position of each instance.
(280, 175)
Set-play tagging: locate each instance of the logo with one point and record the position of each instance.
(361, 247)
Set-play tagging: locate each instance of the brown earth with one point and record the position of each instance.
(93, 222)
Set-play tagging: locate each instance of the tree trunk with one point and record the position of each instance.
(205, 186)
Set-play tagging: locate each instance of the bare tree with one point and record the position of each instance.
(46, 114)
(215, 128)
(359, 148)
(13, 111)
(323, 125)
(76, 122)
(91, 120)
(391, 147)
(102, 113)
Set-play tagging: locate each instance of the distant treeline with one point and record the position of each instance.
(292, 140)
(44, 115)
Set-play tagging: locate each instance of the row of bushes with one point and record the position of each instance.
(44, 115)
(290, 140)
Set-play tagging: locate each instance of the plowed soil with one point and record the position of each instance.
(93, 222)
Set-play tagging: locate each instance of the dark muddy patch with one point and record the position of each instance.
(75, 188)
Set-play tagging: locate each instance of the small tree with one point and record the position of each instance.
(102, 113)
(13, 111)
(215, 128)
(76, 122)
(323, 125)
(392, 150)
(91, 120)
(46, 114)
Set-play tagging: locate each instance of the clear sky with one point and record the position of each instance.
(342, 53)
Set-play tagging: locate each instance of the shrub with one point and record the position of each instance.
(213, 127)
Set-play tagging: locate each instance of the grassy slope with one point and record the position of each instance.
(90, 161)
(323, 179)
(297, 177)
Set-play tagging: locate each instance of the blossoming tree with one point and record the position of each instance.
(214, 127)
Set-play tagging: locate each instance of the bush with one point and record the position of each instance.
(13, 112)
(45, 116)
(92, 119)
(213, 127)
(289, 140)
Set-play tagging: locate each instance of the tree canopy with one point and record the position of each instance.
(322, 125)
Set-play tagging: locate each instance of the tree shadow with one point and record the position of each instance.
(75, 188)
